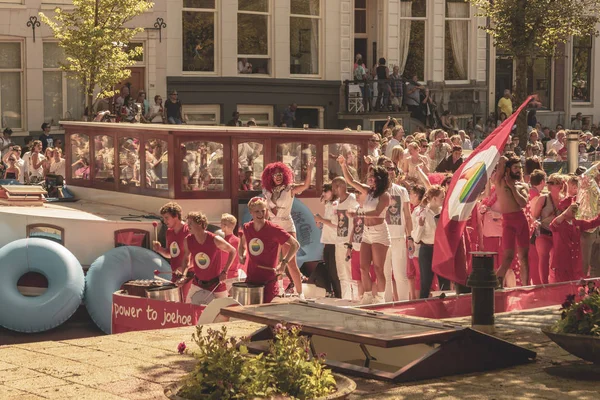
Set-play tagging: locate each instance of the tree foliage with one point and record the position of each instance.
(95, 41)
(528, 29)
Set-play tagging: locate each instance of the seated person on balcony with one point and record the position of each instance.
(127, 111)
(34, 163)
(58, 163)
(246, 181)
(15, 152)
(383, 74)
(244, 67)
(130, 173)
(83, 170)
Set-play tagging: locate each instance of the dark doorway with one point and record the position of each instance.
(504, 77)
(360, 47)
(307, 116)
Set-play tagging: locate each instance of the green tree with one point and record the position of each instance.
(528, 29)
(95, 41)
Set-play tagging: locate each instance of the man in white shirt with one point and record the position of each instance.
(397, 134)
(400, 226)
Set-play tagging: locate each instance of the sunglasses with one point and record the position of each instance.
(390, 169)
(278, 175)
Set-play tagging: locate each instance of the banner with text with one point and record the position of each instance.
(130, 313)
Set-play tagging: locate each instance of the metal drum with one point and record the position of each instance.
(165, 293)
(247, 293)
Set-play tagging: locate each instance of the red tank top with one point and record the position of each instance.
(205, 258)
(175, 245)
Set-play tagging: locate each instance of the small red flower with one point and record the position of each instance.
(181, 347)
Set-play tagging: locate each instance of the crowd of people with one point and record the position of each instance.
(379, 239)
(33, 162)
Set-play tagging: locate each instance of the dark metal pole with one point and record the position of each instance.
(483, 281)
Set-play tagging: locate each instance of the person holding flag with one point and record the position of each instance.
(513, 195)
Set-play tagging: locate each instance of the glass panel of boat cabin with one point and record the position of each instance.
(80, 162)
(250, 165)
(157, 164)
(129, 161)
(202, 166)
(331, 167)
(104, 163)
(296, 156)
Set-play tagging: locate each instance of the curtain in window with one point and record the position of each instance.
(459, 35)
(404, 34)
(314, 43)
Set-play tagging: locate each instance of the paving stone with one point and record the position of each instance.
(67, 391)
(39, 382)
(129, 385)
(97, 377)
(18, 373)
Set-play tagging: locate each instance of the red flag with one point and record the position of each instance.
(449, 257)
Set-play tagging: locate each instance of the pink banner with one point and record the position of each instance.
(507, 300)
(130, 313)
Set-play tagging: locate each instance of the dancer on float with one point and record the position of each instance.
(176, 234)
(329, 237)
(400, 227)
(202, 254)
(566, 235)
(279, 189)
(424, 235)
(512, 200)
(263, 238)
(376, 236)
(544, 211)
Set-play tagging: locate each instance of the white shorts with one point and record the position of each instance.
(377, 234)
(286, 223)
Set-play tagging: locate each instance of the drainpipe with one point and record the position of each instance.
(572, 150)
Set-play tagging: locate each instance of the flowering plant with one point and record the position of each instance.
(581, 312)
(225, 370)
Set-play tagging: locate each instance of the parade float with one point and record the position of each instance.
(118, 176)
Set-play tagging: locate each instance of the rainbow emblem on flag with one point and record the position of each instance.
(475, 175)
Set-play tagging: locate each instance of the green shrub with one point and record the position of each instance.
(225, 370)
(581, 317)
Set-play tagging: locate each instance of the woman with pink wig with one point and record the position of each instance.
(279, 189)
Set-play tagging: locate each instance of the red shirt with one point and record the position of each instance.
(566, 240)
(205, 258)
(175, 245)
(233, 270)
(263, 250)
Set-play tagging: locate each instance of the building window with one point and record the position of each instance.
(209, 114)
(582, 68)
(254, 31)
(262, 115)
(305, 20)
(11, 74)
(64, 98)
(49, 232)
(413, 15)
(199, 21)
(539, 79)
(456, 67)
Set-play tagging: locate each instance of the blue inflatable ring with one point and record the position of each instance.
(307, 232)
(109, 271)
(66, 284)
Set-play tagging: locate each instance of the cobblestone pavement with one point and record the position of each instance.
(138, 365)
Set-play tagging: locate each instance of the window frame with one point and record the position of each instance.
(30, 227)
(245, 109)
(590, 72)
(469, 44)
(269, 55)
(64, 95)
(426, 23)
(204, 109)
(216, 39)
(21, 72)
(320, 43)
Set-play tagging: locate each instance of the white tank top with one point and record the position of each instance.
(371, 205)
(283, 203)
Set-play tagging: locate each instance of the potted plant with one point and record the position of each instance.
(226, 370)
(578, 330)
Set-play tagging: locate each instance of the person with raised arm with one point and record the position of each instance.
(376, 236)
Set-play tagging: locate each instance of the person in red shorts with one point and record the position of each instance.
(263, 239)
(566, 260)
(228, 223)
(512, 200)
(202, 254)
(176, 233)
